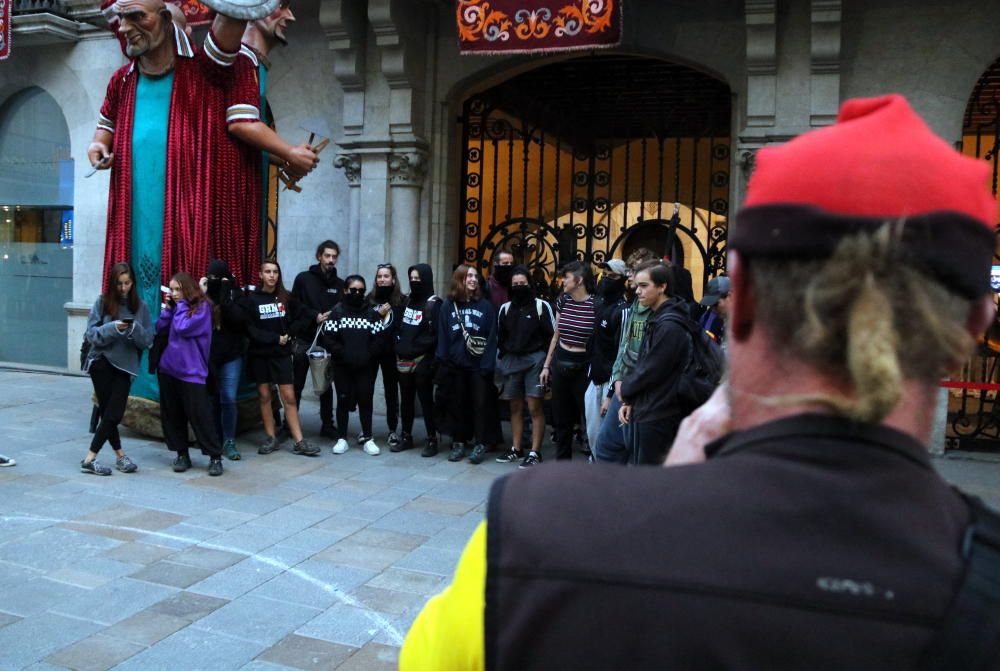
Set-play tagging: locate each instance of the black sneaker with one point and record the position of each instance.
(215, 467)
(94, 468)
(6, 462)
(457, 452)
(405, 443)
(533, 459)
(125, 465)
(327, 431)
(182, 463)
(478, 454)
(393, 441)
(303, 447)
(430, 449)
(511, 457)
(269, 445)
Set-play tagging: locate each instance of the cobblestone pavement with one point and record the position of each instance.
(284, 562)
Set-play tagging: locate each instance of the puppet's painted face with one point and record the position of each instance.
(274, 25)
(144, 24)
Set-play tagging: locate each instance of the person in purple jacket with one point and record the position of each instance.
(183, 373)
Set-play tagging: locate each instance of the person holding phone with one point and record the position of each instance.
(274, 317)
(183, 374)
(119, 330)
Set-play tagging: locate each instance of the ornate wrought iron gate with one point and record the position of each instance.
(974, 412)
(585, 158)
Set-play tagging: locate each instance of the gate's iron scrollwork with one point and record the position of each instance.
(973, 410)
(584, 159)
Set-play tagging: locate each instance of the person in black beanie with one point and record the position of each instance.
(416, 340)
(317, 290)
(228, 347)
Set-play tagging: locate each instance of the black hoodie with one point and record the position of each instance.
(317, 293)
(269, 318)
(416, 331)
(651, 388)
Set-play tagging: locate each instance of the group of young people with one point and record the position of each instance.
(485, 347)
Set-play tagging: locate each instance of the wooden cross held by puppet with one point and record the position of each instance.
(317, 127)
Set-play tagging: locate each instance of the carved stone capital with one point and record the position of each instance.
(407, 169)
(351, 165)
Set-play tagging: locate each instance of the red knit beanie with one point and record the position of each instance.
(879, 163)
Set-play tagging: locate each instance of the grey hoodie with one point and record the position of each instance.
(122, 350)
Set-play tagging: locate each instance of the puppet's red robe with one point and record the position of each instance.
(206, 213)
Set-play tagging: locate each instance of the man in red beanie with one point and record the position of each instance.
(805, 527)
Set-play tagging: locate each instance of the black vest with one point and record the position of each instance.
(807, 543)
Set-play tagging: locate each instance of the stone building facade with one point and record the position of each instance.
(387, 78)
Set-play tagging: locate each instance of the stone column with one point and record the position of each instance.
(406, 178)
(351, 165)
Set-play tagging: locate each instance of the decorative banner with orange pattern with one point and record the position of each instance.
(197, 14)
(511, 26)
(5, 13)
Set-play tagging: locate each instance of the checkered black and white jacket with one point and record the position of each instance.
(354, 337)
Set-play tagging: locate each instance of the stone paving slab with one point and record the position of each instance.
(284, 562)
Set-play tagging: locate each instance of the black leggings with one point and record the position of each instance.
(390, 387)
(418, 384)
(182, 403)
(569, 386)
(469, 403)
(111, 386)
(354, 385)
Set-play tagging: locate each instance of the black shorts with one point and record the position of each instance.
(271, 370)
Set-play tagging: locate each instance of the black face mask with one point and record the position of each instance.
(214, 289)
(611, 287)
(521, 293)
(382, 294)
(502, 273)
(417, 289)
(354, 300)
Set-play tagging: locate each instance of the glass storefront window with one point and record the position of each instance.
(36, 229)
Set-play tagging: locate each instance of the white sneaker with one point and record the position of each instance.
(340, 447)
(371, 448)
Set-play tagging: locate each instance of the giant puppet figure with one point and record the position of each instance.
(160, 131)
(247, 119)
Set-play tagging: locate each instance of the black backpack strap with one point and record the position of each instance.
(970, 636)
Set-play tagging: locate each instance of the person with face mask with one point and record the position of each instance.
(228, 347)
(498, 285)
(387, 300)
(603, 346)
(353, 335)
(525, 326)
(415, 342)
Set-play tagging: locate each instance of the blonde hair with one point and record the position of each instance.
(867, 316)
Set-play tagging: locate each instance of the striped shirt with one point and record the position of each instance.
(576, 321)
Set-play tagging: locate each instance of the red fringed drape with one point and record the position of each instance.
(212, 200)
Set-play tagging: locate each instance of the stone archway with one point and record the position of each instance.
(570, 159)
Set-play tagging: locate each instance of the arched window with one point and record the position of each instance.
(36, 224)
